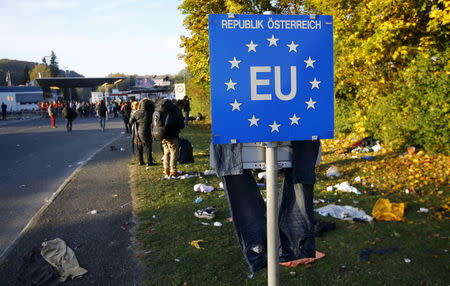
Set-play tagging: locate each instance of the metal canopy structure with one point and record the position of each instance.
(71, 82)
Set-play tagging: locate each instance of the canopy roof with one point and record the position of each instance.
(66, 82)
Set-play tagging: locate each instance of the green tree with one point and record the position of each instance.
(41, 69)
(54, 68)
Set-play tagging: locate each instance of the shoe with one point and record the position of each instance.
(151, 164)
(174, 174)
(204, 213)
(167, 172)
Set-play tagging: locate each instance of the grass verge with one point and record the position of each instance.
(166, 224)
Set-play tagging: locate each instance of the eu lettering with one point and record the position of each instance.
(255, 82)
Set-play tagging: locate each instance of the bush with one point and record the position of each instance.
(417, 113)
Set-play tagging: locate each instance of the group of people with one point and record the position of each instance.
(155, 120)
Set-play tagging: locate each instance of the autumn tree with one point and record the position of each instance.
(40, 70)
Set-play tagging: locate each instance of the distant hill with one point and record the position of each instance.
(16, 68)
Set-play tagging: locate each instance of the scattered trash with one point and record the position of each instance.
(358, 179)
(76, 246)
(59, 255)
(320, 227)
(195, 243)
(344, 213)
(124, 205)
(364, 255)
(262, 175)
(93, 212)
(177, 260)
(124, 226)
(198, 200)
(143, 253)
(22, 186)
(202, 188)
(208, 213)
(154, 216)
(293, 273)
(114, 195)
(122, 149)
(411, 150)
(209, 172)
(221, 185)
(369, 158)
(368, 144)
(344, 187)
(333, 172)
(205, 223)
(387, 211)
(230, 219)
(409, 191)
(70, 166)
(423, 210)
(407, 260)
(218, 224)
(319, 201)
(377, 147)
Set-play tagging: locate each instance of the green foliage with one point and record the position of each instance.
(40, 68)
(54, 68)
(417, 113)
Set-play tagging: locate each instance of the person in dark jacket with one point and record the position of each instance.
(170, 141)
(126, 114)
(69, 114)
(101, 113)
(4, 107)
(142, 121)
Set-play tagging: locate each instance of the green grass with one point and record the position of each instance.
(166, 226)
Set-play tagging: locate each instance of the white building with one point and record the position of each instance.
(19, 98)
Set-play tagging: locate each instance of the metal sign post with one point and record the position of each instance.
(272, 213)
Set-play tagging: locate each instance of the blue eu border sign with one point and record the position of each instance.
(271, 78)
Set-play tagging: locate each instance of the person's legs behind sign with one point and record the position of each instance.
(249, 217)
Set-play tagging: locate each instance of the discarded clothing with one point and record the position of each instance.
(303, 261)
(364, 255)
(333, 172)
(387, 211)
(60, 256)
(344, 213)
(344, 187)
(202, 188)
(35, 271)
(320, 227)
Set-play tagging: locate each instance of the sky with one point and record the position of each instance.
(95, 37)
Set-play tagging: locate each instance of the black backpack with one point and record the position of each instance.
(186, 152)
(162, 119)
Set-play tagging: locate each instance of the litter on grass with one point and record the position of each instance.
(344, 212)
(333, 172)
(407, 260)
(387, 211)
(262, 175)
(93, 212)
(423, 210)
(218, 224)
(209, 173)
(202, 188)
(344, 187)
(196, 243)
(221, 185)
(198, 200)
(358, 179)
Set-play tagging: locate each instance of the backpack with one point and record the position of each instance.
(186, 152)
(161, 120)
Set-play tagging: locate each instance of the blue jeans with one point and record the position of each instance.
(102, 122)
(296, 219)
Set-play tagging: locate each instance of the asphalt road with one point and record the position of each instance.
(36, 160)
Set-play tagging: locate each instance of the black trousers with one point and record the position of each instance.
(145, 148)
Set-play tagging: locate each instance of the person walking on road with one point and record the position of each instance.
(4, 106)
(101, 113)
(125, 109)
(51, 109)
(69, 114)
(143, 124)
